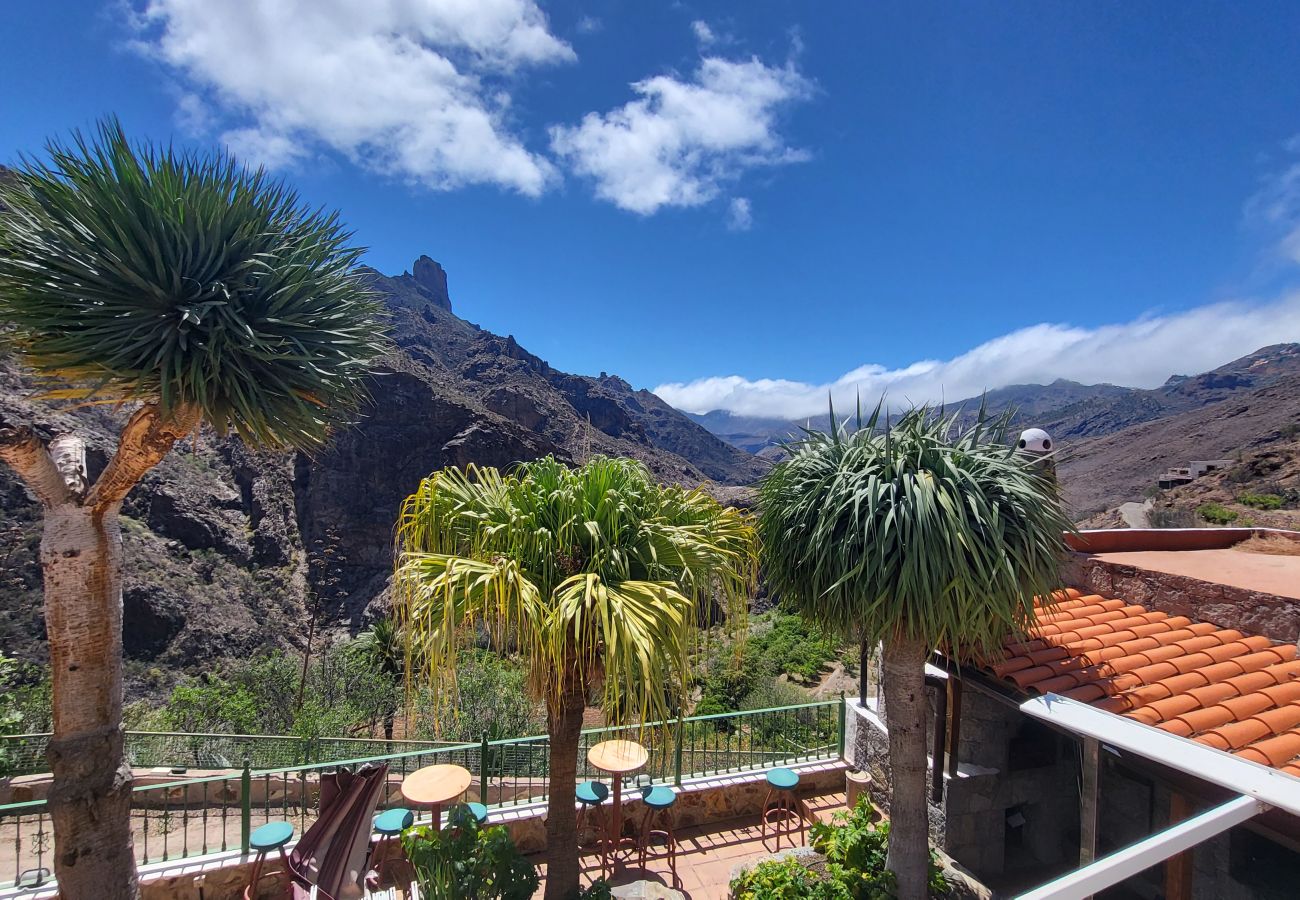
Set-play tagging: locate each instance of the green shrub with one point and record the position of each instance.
(785, 879)
(1261, 501)
(465, 862)
(1216, 514)
(856, 849)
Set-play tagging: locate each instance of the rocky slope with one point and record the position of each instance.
(219, 537)
(1099, 473)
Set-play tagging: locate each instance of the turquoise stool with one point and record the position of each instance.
(659, 802)
(478, 811)
(388, 825)
(271, 836)
(590, 795)
(780, 797)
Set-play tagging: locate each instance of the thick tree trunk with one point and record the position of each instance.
(81, 560)
(564, 725)
(905, 716)
(90, 799)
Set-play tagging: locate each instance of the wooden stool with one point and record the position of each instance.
(271, 836)
(659, 804)
(781, 785)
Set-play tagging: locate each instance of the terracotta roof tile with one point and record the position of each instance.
(1239, 693)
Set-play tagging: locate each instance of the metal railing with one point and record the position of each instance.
(178, 817)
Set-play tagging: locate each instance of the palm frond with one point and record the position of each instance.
(918, 530)
(588, 572)
(137, 273)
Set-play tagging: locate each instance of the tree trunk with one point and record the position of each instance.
(905, 716)
(90, 798)
(81, 561)
(564, 725)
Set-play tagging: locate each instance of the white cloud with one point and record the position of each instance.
(1277, 206)
(740, 217)
(589, 25)
(703, 33)
(411, 88)
(1141, 353)
(682, 141)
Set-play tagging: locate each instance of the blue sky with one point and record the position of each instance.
(749, 205)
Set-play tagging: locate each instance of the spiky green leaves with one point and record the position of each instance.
(588, 572)
(133, 273)
(913, 530)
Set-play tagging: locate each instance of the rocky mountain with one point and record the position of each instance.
(1066, 409)
(220, 538)
(1101, 472)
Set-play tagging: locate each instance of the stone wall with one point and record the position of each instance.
(970, 823)
(1228, 607)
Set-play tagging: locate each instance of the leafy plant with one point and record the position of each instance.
(857, 848)
(465, 862)
(1216, 513)
(785, 879)
(1261, 501)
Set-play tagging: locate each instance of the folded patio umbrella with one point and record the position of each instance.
(329, 862)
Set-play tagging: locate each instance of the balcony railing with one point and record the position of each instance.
(278, 777)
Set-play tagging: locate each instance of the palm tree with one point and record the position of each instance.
(382, 647)
(918, 536)
(596, 575)
(190, 291)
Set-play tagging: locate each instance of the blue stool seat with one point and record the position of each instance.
(478, 811)
(592, 793)
(658, 797)
(782, 779)
(394, 821)
(271, 836)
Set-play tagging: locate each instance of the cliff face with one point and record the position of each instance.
(218, 536)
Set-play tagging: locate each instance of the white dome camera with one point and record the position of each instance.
(1035, 440)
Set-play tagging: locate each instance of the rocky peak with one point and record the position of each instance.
(431, 278)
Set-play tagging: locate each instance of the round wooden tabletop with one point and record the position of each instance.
(618, 757)
(435, 784)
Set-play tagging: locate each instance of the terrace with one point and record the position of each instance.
(193, 812)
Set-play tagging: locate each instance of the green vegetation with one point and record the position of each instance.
(916, 535)
(742, 674)
(855, 849)
(1216, 513)
(1261, 501)
(597, 575)
(465, 862)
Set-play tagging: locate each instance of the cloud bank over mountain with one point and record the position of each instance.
(1140, 353)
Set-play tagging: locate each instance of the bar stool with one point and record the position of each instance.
(590, 795)
(780, 797)
(388, 825)
(478, 811)
(271, 836)
(659, 802)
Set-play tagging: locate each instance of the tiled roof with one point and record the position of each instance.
(1236, 692)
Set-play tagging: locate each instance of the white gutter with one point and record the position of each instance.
(1111, 870)
(1199, 760)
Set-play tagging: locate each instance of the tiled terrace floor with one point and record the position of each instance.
(706, 854)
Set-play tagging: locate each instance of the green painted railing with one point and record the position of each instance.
(176, 817)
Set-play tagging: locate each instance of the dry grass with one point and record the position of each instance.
(1273, 544)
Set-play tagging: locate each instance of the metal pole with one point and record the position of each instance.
(246, 806)
(864, 660)
(677, 779)
(844, 704)
(483, 770)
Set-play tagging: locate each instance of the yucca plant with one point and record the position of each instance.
(595, 575)
(918, 535)
(188, 290)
